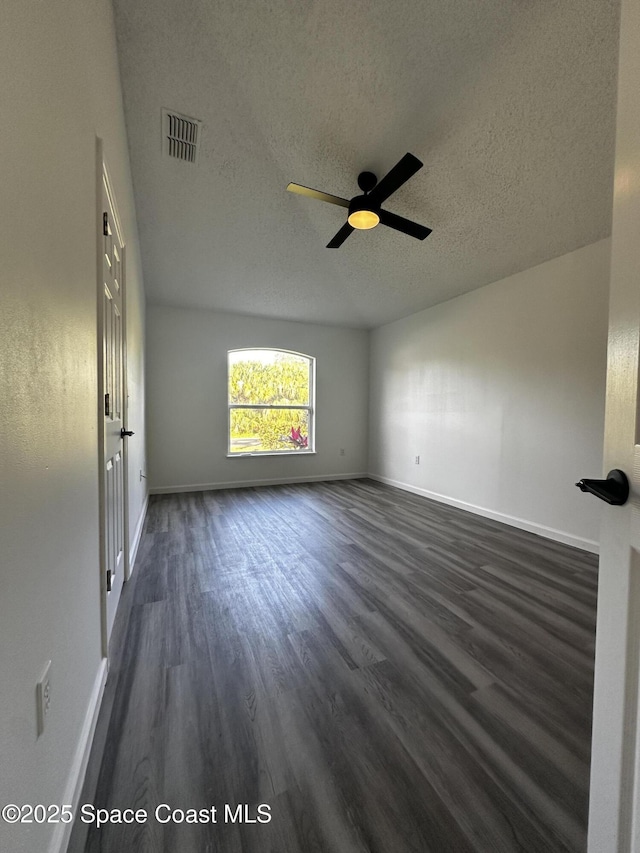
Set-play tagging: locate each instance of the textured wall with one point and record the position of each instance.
(60, 89)
(187, 397)
(501, 394)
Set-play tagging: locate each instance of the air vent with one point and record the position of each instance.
(180, 136)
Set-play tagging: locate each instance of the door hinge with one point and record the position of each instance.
(106, 405)
(109, 580)
(105, 224)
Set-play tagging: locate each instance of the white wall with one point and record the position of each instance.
(187, 398)
(501, 394)
(60, 86)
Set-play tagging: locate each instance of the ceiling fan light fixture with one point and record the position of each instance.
(363, 219)
(361, 214)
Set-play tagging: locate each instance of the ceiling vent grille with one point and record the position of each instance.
(180, 136)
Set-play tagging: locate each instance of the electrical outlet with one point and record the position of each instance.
(43, 697)
(417, 460)
(342, 451)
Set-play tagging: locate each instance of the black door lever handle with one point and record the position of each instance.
(614, 490)
(124, 432)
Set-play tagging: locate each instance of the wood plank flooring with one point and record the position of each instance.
(386, 673)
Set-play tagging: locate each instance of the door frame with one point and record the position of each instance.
(104, 183)
(614, 807)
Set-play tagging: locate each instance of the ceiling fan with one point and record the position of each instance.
(364, 210)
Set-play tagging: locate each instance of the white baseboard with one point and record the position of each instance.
(531, 526)
(240, 484)
(73, 790)
(133, 553)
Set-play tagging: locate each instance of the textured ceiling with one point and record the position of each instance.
(510, 104)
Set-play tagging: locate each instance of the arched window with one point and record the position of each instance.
(270, 397)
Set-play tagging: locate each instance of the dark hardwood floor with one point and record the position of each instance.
(386, 673)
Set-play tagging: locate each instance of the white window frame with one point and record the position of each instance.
(310, 408)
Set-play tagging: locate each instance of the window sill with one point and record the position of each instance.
(274, 453)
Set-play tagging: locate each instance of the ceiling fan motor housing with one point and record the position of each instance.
(363, 202)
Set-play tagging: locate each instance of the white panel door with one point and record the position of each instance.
(614, 813)
(112, 401)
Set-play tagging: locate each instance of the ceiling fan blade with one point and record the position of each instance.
(394, 179)
(404, 225)
(341, 236)
(332, 199)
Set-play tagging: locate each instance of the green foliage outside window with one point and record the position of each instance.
(279, 379)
